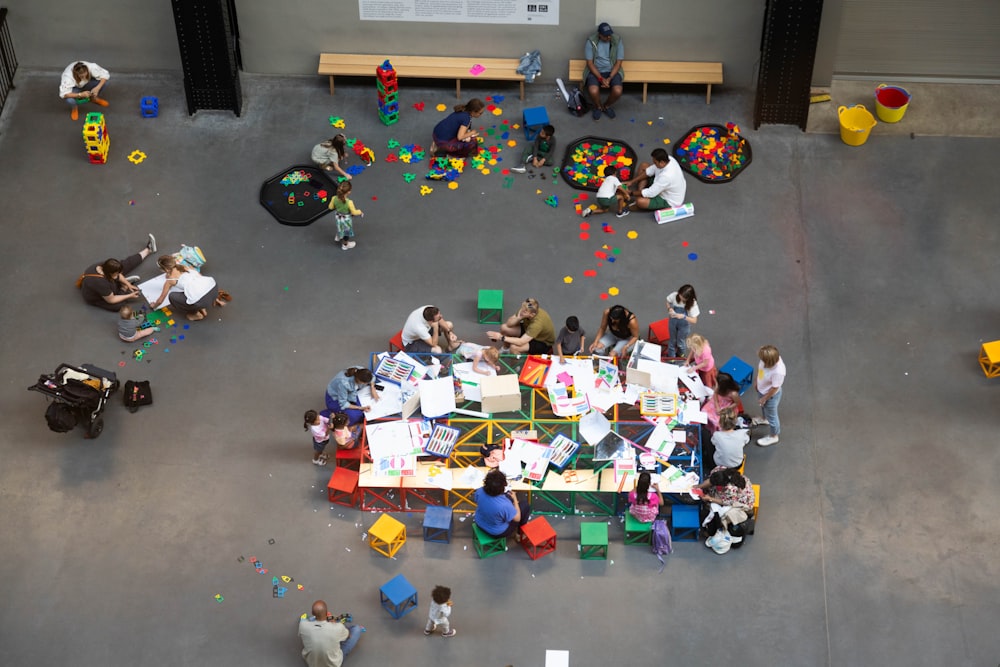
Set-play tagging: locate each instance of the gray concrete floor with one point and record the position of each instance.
(873, 270)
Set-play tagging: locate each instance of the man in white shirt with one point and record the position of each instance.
(658, 185)
(83, 82)
(426, 330)
(325, 640)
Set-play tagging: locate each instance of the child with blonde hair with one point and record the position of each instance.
(344, 210)
(483, 358)
(128, 326)
(700, 359)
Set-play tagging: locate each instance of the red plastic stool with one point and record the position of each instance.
(396, 342)
(342, 488)
(538, 538)
(659, 333)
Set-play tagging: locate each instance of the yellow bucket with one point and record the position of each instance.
(891, 103)
(856, 124)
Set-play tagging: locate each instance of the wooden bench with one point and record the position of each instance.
(656, 71)
(427, 67)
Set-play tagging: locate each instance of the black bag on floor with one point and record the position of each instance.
(137, 393)
(577, 103)
(60, 418)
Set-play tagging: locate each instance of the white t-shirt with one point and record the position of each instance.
(67, 82)
(416, 327)
(673, 301)
(319, 431)
(194, 285)
(770, 377)
(668, 183)
(729, 447)
(609, 186)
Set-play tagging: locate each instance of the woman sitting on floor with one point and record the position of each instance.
(454, 135)
(195, 291)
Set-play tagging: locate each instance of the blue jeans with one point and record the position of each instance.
(348, 644)
(680, 329)
(770, 411)
(353, 416)
(90, 85)
(611, 344)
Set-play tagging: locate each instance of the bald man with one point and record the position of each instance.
(326, 641)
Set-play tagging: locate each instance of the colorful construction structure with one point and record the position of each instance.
(388, 93)
(95, 138)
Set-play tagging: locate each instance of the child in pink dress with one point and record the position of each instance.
(699, 358)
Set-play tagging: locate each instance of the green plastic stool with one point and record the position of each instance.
(637, 532)
(594, 541)
(489, 309)
(486, 544)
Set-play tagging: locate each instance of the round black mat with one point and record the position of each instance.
(586, 155)
(298, 196)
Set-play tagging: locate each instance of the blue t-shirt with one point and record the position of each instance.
(493, 513)
(448, 128)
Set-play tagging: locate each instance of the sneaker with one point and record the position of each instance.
(319, 462)
(587, 211)
(151, 244)
(428, 632)
(768, 441)
(759, 421)
(450, 633)
(99, 102)
(347, 245)
(74, 113)
(623, 213)
(609, 112)
(596, 114)
(519, 170)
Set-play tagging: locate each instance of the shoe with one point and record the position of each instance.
(596, 114)
(759, 421)
(428, 632)
(587, 211)
(319, 462)
(609, 112)
(99, 102)
(133, 279)
(151, 244)
(74, 113)
(347, 245)
(519, 170)
(225, 296)
(337, 239)
(450, 633)
(623, 213)
(768, 441)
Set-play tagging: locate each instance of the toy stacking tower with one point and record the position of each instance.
(95, 138)
(388, 93)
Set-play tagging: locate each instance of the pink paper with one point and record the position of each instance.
(565, 378)
(477, 69)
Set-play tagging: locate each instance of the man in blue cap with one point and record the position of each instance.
(605, 54)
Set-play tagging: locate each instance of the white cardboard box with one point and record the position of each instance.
(501, 393)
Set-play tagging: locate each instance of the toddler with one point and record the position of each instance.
(440, 612)
(344, 435)
(344, 210)
(700, 359)
(571, 337)
(128, 326)
(320, 428)
(483, 358)
(610, 193)
(330, 154)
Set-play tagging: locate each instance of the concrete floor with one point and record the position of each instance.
(873, 270)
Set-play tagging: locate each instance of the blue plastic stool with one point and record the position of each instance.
(684, 522)
(741, 371)
(437, 524)
(150, 107)
(398, 596)
(535, 118)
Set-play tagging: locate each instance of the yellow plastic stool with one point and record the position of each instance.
(989, 358)
(756, 505)
(387, 535)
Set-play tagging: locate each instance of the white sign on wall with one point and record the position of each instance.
(541, 12)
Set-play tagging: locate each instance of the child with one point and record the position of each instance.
(768, 382)
(344, 209)
(440, 611)
(537, 154)
(320, 427)
(571, 338)
(699, 358)
(346, 437)
(128, 328)
(643, 503)
(611, 193)
(330, 153)
(682, 308)
(483, 358)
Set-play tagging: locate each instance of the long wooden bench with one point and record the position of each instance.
(428, 67)
(658, 71)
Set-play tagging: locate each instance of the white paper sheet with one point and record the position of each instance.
(388, 439)
(440, 477)
(470, 380)
(593, 427)
(390, 401)
(152, 288)
(471, 478)
(437, 397)
(557, 658)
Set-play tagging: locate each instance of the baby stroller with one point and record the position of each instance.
(79, 395)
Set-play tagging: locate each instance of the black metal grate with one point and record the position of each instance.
(207, 36)
(8, 60)
(787, 53)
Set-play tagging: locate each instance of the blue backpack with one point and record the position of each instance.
(661, 541)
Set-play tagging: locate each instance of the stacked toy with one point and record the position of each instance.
(95, 138)
(388, 93)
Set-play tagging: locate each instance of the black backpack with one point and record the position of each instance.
(137, 393)
(60, 417)
(577, 103)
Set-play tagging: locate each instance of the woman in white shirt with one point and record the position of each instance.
(194, 293)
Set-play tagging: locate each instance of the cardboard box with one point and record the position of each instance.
(634, 374)
(501, 393)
